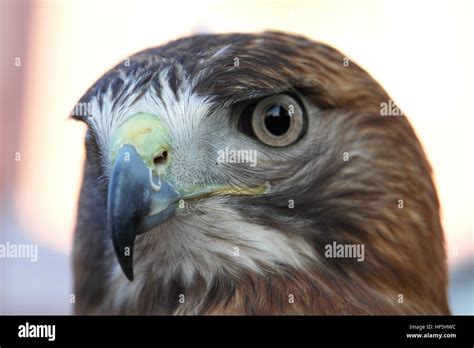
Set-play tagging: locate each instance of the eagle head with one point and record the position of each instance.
(242, 173)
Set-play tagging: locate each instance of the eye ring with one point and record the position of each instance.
(278, 120)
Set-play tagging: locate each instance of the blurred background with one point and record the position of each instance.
(51, 51)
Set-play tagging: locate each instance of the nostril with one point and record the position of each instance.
(161, 159)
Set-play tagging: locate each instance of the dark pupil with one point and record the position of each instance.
(277, 120)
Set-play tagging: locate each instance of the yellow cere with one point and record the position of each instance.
(146, 133)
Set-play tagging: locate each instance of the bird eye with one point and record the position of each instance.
(278, 120)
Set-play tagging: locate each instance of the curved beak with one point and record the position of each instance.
(138, 199)
(135, 204)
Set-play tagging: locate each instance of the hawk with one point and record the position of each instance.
(241, 174)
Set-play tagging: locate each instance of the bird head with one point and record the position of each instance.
(223, 154)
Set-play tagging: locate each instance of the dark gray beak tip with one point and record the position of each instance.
(125, 258)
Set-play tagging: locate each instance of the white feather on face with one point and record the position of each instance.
(197, 132)
(182, 113)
